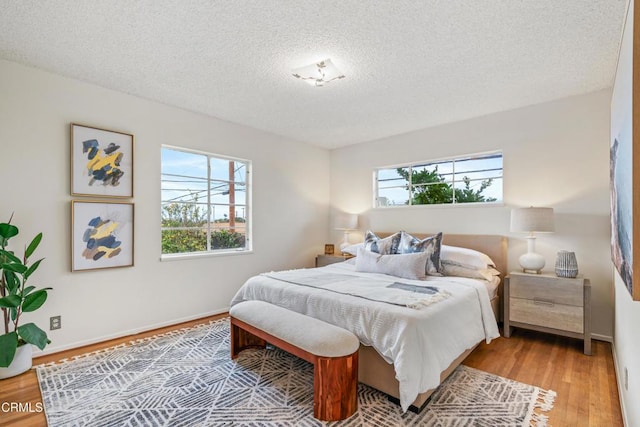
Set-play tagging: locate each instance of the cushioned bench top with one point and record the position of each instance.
(307, 333)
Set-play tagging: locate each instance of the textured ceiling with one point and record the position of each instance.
(409, 64)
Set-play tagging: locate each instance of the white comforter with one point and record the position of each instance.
(420, 343)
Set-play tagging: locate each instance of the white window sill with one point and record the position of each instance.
(445, 206)
(195, 255)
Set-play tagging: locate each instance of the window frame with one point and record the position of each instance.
(452, 160)
(209, 252)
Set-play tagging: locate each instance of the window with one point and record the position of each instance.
(469, 179)
(205, 203)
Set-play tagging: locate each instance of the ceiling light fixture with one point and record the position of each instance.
(318, 74)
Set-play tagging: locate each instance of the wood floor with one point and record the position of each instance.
(587, 392)
(586, 385)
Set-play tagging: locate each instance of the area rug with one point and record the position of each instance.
(186, 378)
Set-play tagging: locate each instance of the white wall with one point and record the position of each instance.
(290, 219)
(555, 154)
(627, 351)
(627, 314)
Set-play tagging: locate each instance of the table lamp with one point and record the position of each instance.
(346, 222)
(532, 220)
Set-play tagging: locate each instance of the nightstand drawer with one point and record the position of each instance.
(563, 291)
(547, 313)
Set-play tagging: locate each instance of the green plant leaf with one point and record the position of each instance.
(33, 335)
(7, 231)
(12, 281)
(9, 255)
(8, 346)
(33, 245)
(10, 301)
(18, 268)
(27, 290)
(32, 268)
(34, 301)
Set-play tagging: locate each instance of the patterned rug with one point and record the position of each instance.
(186, 378)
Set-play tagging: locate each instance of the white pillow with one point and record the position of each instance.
(473, 273)
(408, 266)
(353, 249)
(465, 257)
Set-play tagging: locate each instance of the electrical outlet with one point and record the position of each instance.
(55, 322)
(626, 378)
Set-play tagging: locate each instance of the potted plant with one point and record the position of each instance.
(17, 298)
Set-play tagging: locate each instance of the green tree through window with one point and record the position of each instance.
(472, 179)
(430, 188)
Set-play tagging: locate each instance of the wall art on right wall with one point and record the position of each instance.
(624, 153)
(621, 170)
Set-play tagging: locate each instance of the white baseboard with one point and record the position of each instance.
(57, 349)
(599, 337)
(619, 383)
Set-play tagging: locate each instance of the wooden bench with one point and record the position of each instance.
(333, 351)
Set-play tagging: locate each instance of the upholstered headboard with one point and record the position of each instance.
(493, 245)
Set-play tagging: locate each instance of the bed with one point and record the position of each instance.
(405, 352)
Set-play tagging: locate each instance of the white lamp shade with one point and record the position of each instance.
(346, 221)
(532, 219)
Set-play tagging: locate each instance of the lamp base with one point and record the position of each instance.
(531, 263)
(345, 241)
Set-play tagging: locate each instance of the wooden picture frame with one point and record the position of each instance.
(329, 249)
(624, 154)
(101, 162)
(102, 235)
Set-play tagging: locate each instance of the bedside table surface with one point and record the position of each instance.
(546, 274)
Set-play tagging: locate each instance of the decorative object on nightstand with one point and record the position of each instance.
(532, 220)
(566, 264)
(346, 222)
(329, 249)
(550, 304)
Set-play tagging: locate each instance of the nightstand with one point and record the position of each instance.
(322, 260)
(547, 303)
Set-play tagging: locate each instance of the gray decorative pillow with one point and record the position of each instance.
(409, 244)
(408, 266)
(386, 246)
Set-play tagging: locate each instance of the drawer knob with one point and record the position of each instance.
(545, 302)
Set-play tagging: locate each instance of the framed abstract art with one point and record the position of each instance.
(101, 162)
(102, 235)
